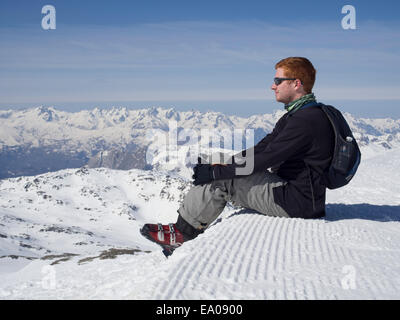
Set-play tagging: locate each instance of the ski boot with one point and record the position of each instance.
(167, 236)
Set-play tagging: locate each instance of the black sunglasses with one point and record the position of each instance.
(278, 81)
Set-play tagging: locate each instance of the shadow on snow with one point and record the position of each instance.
(365, 211)
(339, 211)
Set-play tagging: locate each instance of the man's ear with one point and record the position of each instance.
(298, 83)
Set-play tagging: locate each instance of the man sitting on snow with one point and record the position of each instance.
(299, 148)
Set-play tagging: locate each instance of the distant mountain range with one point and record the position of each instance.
(43, 139)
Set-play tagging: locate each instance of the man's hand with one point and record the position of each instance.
(203, 173)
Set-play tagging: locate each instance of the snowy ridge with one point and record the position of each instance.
(353, 253)
(44, 139)
(82, 211)
(46, 125)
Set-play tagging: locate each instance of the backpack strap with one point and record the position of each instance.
(312, 104)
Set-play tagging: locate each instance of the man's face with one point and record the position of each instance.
(285, 91)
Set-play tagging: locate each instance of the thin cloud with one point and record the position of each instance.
(193, 60)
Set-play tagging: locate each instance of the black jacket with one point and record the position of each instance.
(300, 148)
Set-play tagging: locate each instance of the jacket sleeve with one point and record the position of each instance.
(263, 143)
(281, 145)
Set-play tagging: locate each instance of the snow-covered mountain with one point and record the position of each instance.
(74, 234)
(43, 139)
(82, 211)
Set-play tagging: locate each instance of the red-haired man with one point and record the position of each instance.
(287, 164)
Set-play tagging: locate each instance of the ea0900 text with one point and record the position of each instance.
(221, 309)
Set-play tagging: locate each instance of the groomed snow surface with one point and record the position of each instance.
(74, 234)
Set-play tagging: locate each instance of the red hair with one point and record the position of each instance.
(299, 68)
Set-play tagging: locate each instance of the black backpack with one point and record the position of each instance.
(346, 156)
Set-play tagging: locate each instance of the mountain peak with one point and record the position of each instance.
(48, 114)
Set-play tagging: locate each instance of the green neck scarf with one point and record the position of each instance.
(296, 104)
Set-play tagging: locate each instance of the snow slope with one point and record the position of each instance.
(353, 253)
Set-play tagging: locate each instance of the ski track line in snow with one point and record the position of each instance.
(254, 261)
(206, 262)
(272, 255)
(283, 256)
(217, 266)
(288, 263)
(198, 262)
(312, 238)
(268, 250)
(258, 260)
(223, 268)
(231, 269)
(219, 248)
(260, 265)
(210, 264)
(345, 256)
(291, 259)
(326, 254)
(243, 233)
(211, 268)
(273, 258)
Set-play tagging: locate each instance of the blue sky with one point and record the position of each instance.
(207, 55)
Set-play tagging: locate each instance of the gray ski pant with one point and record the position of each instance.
(203, 204)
